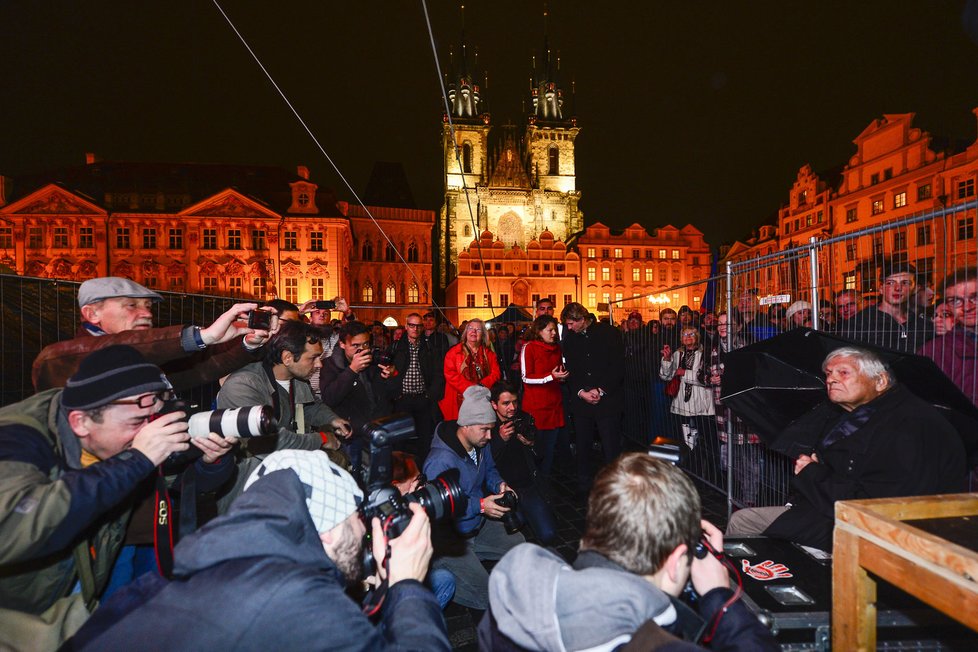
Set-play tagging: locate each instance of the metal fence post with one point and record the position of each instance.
(813, 270)
(729, 424)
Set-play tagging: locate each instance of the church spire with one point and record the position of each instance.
(463, 89)
(545, 92)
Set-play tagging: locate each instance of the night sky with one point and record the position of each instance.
(691, 112)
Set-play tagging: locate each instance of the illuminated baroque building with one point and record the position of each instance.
(243, 231)
(514, 183)
(898, 170)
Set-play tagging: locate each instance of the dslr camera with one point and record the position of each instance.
(511, 520)
(524, 426)
(441, 497)
(243, 422)
(379, 356)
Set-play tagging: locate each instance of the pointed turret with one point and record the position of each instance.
(545, 91)
(463, 89)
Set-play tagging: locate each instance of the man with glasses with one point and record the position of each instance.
(72, 461)
(418, 378)
(847, 304)
(956, 352)
(892, 324)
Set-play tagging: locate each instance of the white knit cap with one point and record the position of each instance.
(331, 493)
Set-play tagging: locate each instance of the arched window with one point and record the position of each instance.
(412, 253)
(390, 254)
(368, 293)
(390, 295)
(367, 251)
(413, 293)
(467, 231)
(554, 161)
(466, 158)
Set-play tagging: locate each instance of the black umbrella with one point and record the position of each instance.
(775, 382)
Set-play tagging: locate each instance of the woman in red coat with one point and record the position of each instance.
(543, 372)
(470, 362)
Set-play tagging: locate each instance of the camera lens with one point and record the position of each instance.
(441, 497)
(255, 421)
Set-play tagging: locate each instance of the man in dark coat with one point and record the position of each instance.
(270, 575)
(419, 377)
(874, 440)
(595, 359)
(893, 323)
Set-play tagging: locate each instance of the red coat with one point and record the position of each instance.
(542, 398)
(457, 380)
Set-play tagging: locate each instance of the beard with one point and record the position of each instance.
(348, 555)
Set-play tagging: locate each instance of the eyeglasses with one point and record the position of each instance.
(410, 325)
(958, 302)
(146, 400)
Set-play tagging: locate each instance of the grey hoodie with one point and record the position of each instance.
(541, 603)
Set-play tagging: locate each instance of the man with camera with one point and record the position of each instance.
(638, 552)
(71, 463)
(511, 445)
(479, 534)
(118, 311)
(282, 382)
(271, 574)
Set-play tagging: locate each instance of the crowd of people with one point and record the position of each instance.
(101, 471)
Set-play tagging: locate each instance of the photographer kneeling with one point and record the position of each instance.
(478, 534)
(636, 557)
(72, 464)
(280, 559)
(512, 451)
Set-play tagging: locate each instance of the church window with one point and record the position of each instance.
(367, 251)
(390, 254)
(368, 293)
(316, 241)
(412, 294)
(390, 295)
(467, 231)
(553, 160)
(466, 158)
(412, 253)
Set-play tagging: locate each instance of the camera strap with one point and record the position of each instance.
(163, 527)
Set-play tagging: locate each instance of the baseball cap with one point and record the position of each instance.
(110, 287)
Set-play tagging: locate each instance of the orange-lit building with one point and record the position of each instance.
(898, 170)
(617, 266)
(243, 231)
(488, 270)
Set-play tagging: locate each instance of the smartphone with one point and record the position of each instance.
(260, 320)
(325, 305)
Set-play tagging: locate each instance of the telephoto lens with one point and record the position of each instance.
(243, 422)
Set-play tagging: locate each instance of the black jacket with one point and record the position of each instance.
(906, 448)
(438, 344)
(348, 393)
(596, 358)
(431, 370)
(259, 579)
(513, 459)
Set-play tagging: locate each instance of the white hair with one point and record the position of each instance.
(868, 363)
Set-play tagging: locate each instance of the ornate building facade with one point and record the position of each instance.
(513, 181)
(241, 231)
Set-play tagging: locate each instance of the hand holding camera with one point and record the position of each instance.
(361, 360)
(707, 573)
(161, 436)
(213, 446)
(228, 325)
(410, 553)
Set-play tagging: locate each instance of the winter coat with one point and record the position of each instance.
(695, 397)
(456, 382)
(596, 358)
(956, 353)
(431, 368)
(476, 480)
(542, 396)
(906, 448)
(874, 326)
(259, 579)
(539, 602)
(172, 348)
(359, 397)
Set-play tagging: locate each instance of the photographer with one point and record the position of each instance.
(275, 569)
(636, 557)
(512, 451)
(71, 463)
(478, 534)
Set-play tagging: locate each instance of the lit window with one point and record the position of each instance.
(413, 295)
(851, 215)
(390, 296)
(877, 206)
(485, 300)
(590, 252)
(649, 274)
(662, 254)
(368, 293)
(618, 296)
(636, 274)
(606, 297)
(591, 274)
(900, 200)
(675, 254)
(592, 299)
(618, 253)
(605, 274)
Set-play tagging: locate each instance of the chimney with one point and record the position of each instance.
(303, 172)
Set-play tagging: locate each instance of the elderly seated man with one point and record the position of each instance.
(874, 440)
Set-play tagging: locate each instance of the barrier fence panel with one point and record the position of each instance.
(37, 312)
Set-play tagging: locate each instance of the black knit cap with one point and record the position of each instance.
(109, 374)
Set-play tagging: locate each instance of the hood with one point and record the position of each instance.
(269, 520)
(541, 603)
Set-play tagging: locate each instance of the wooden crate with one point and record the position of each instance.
(872, 535)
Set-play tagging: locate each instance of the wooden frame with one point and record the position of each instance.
(870, 535)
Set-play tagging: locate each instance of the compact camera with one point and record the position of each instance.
(260, 320)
